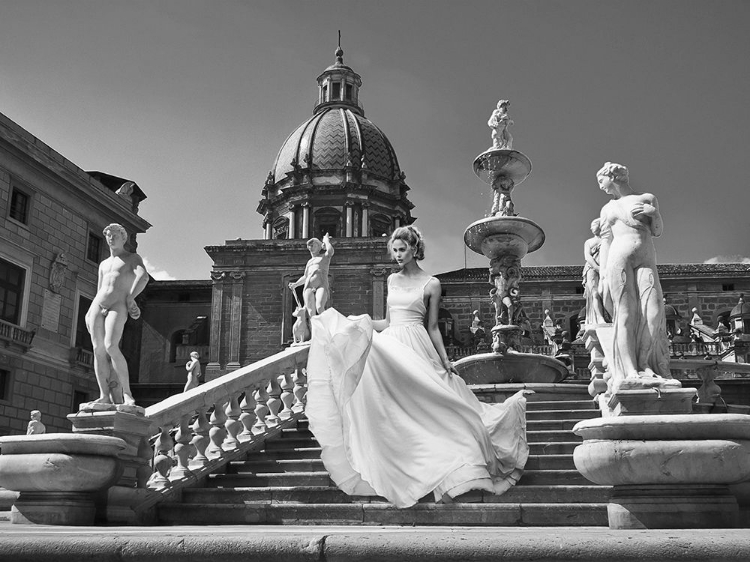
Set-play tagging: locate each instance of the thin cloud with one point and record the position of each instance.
(728, 258)
(156, 273)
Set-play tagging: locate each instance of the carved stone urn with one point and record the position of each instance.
(667, 471)
(58, 475)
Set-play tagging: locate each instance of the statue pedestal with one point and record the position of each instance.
(130, 489)
(671, 471)
(652, 401)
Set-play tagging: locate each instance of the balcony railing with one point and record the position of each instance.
(11, 334)
(696, 349)
(80, 357)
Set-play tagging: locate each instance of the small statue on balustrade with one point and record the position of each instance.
(316, 291)
(193, 368)
(122, 277)
(499, 122)
(477, 329)
(36, 427)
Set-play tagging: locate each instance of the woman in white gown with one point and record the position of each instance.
(390, 413)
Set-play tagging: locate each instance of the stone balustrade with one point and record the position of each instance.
(215, 422)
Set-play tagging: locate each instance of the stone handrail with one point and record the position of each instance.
(204, 428)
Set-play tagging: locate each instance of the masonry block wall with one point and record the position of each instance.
(254, 304)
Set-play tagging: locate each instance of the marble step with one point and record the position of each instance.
(254, 464)
(562, 414)
(532, 405)
(331, 494)
(321, 478)
(455, 514)
(534, 435)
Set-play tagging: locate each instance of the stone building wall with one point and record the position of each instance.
(63, 205)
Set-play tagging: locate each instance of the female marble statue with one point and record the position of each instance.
(629, 283)
(595, 313)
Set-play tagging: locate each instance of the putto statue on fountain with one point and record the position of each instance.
(499, 122)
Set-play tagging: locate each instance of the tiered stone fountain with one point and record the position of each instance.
(505, 238)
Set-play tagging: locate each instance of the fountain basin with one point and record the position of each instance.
(496, 236)
(502, 162)
(495, 368)
(58, 474)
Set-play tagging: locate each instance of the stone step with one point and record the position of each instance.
(541, 425)
(553, 435)
(256, 465)
(552, 478)
(560, 405)
(456, 514)
(562, 414)
(553, 448)
(330, 494)
(321, 478)
(297, 453)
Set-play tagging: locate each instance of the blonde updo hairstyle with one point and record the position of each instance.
(410, 236)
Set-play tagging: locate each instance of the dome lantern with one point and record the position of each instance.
(338, 86)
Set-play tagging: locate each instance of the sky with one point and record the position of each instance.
(193, 99)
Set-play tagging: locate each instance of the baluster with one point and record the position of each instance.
(162, 461)
(247, 418)
(274, 402)
(300, 389)
(182, 450)
(285, 382)
(217, 432)
(200, 440)
(144, 471)
(261, 410)
(232, 424)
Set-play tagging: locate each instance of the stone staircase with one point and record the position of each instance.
(285, 482)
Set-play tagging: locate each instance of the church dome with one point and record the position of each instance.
(334, 138)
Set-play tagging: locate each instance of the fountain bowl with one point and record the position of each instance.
(496, 368)
(502, 162)
(497, 236)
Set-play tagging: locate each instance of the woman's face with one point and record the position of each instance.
(401, 252)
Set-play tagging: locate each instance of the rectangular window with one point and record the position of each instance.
(349, 91)
(19, 206)
(728, 287)
(79, 397)
(4, 384)
(83, 338)
(12, 280)
(94, 249)
(336, 91)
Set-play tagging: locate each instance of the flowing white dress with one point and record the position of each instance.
(393, 422)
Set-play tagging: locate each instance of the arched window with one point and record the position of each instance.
(327, 220)
(380, 225)
(281, 228)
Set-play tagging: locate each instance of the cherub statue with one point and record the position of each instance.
(499, 123)
(193, 368)
(36, 427)
(316, 291)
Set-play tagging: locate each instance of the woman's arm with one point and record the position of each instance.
(433, 307)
